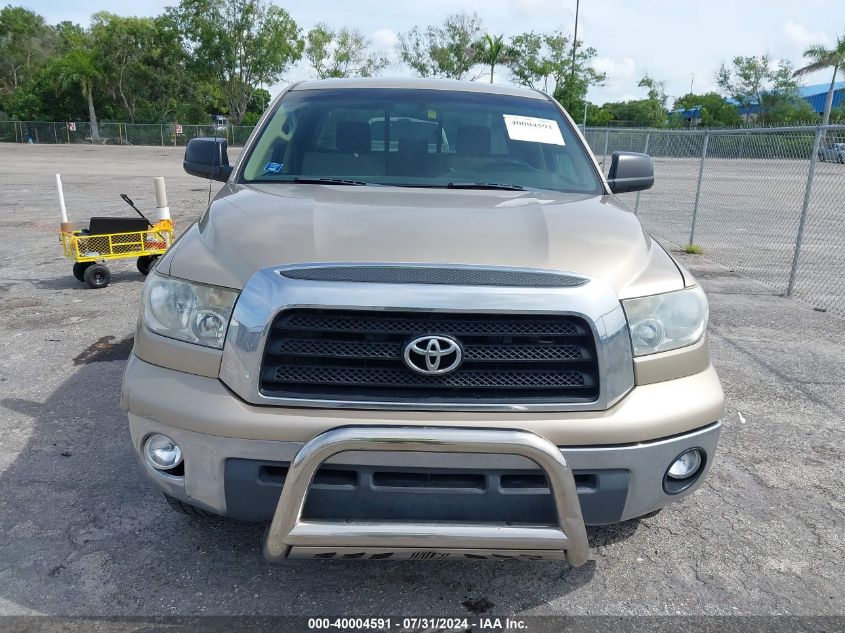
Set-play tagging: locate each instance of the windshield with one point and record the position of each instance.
(420, 138)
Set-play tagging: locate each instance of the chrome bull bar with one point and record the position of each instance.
(292, 536)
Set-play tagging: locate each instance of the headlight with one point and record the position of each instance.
(667, 321)
(186, 311)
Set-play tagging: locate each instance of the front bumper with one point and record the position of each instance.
(627, 474)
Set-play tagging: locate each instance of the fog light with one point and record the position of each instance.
(686, 465)
(161, 452)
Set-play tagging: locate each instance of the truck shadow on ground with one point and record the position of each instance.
(84, 533)
(69, 282)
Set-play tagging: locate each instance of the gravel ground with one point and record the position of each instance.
(82, 533)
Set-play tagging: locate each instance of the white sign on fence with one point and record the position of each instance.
(71, 126)
(178, 129)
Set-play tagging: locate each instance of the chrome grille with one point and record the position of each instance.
(356, 355)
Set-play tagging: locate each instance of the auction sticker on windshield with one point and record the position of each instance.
(533, 130)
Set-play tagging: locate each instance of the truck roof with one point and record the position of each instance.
(405, 83)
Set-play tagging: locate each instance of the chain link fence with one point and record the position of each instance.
(767, 202)
(118, 133)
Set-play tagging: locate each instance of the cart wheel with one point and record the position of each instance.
(145, 263)
(97, 276)
(79, 269)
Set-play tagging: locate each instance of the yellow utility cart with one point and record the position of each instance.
(108, 238)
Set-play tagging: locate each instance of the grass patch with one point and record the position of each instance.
(693, 249)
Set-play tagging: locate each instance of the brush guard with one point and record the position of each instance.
(291, 536)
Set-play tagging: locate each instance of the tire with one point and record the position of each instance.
(841, 159)
(97, 276)
(186, 508)
(79, 269)
(145, 263)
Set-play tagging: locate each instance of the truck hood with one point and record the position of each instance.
(247, 228)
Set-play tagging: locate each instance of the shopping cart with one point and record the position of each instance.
(108, 238)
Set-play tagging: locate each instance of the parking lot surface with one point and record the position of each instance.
(748, 217)
(82, 533)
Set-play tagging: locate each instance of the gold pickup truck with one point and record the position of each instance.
(416, 323)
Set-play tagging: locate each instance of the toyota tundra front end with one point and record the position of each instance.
(416, 323)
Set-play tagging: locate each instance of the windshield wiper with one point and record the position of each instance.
(328, 181)
(484, 185)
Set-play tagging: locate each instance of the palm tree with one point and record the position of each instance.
(492, 51)
(822, 58)
(77, 68)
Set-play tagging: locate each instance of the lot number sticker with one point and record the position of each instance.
(533, 130)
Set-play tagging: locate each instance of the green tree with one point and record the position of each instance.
(257, 104)
(754, 81)
(636, 113)
(789, 109)
(78, 68)
(572, 90)
(543, 61)
(598, 116)
(715, 111)
(822, 58)
(530, 65)
(492, 50)
(26, 43)
(239, 43)
(448, 50)
(145, 69)
(122, 47)
(656, 89)
(341, 53)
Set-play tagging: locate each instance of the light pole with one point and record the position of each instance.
(574, 48)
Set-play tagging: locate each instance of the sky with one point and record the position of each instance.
(680, 43)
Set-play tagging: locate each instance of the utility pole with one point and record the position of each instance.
(691, 81)
(574, 48)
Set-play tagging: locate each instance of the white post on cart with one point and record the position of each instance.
(162, 209)
(65, 225)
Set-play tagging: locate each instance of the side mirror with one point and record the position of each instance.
(207, 158)
(630, 171)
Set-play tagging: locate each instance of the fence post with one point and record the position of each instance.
(805, 206)
(645, 151)
(161, 130)
(698, 186)
(604, 156)
(55, 135)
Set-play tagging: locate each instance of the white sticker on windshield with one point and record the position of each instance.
(534, 130)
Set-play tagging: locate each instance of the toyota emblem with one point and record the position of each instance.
(433, 355)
